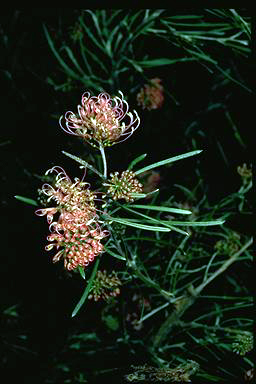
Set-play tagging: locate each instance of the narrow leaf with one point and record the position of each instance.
(163, 209)
(58, 57)
(137, 160)
(150, 219)
(162, 61)
(73, 59)
(167, 161)
(26, 200)
(81, 271)
(194, 223)
(114, 254)
(137, 225)
(87, 289)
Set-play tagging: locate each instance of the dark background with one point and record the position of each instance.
(31, 142)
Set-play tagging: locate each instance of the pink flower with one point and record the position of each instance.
(76, 234)
(100, 120)
(80, 244)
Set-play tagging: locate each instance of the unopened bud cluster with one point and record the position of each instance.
(123, 186)
(243, 344)
(105, 286)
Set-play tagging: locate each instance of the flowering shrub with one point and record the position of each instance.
(89, 226)
(78, 231)
(142, 266)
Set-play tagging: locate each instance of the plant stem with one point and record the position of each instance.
(103, 160)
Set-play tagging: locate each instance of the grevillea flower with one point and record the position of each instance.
(123, 186)
(151, 95)
(100, 120)
(68, 196)
(80, 243)
(77, 231)
(105, 286)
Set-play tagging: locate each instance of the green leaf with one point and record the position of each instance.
(87, 289)
(134, 64)
(194, 223)
(114, 254)
(136, 195)
(92, 36)
(67, 69)
(162, 209)
(137, 225)
(81, 271)
(151, 219)
(26, 200)
(137, 160)
(162, 61)
(73, 59)
(167, 161)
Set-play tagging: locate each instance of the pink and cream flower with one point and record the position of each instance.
(100, 120)
(77, 233)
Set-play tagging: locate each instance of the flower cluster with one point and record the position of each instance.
(123, 186)
(77, 231)
(105, 286)
(151, 95)
(243, 344)
(100, 120)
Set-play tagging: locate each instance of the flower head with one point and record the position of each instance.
(76, 234)
(68, 196)
(151, 95)
(100, 120)
(123, 186)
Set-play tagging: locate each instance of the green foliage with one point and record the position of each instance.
(104, 48)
